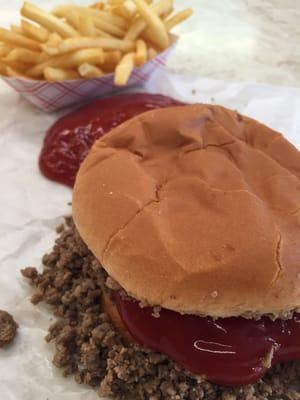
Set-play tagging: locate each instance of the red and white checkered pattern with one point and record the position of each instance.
(53, 96)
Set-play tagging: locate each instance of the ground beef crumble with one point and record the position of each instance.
(88, 345)
(8, 328)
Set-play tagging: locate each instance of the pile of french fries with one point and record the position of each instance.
(77, 42)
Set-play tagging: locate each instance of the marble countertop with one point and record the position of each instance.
(235, 40)
(252, 40)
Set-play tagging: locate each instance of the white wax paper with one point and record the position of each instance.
(31, 207)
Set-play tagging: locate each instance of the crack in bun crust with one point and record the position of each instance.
(195, 209)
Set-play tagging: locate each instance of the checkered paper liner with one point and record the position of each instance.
(54, 96)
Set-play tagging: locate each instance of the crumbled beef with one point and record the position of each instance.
(112, 284)
(8, 328)
(88, 345)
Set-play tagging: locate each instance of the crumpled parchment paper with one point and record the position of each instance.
(31, 207)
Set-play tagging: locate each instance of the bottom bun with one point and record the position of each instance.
(110, 308)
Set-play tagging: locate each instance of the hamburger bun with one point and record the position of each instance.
(109, 307)
(195, 209)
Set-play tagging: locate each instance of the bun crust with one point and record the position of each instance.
(195, 209)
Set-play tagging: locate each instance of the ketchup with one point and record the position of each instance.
(69, 140)
(228, 351)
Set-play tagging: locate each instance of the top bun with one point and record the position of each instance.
(195, 209)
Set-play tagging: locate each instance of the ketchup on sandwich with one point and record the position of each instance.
(228, 351)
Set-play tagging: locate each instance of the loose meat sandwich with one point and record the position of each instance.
(193, 214)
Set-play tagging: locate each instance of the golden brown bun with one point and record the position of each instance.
(195, 209)
(110, 308)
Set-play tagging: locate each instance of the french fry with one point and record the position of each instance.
(98, 6)
(112, 57)
(48, 21)
(86, 26)
(24, 56)
(63, 11)
(58, 74)
(114, 2)
(108, 27)
(16, 65)
(51, 47)
(34, 32)
(178, 18)
(130, 8)
(108, 68)
(18, 40)
(126, 12)
(164, 16)
(135, 29)
(124, 69)
(112, 24)
(90, 71)
(103, 34)
(156, 26)
(16, 29)
(54, 38)
(113, 19)
(72, 17)
(152, 53)
(140, 25)
(68, 45)
(91, 56)
(162, 7)
(141, 52)
(73, 60)
(14, 73)
(3, 69)
(111, 60)
(5, 50)
(50, 51)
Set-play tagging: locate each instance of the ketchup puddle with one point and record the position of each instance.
(228, 351)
